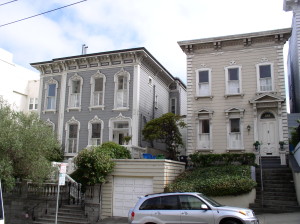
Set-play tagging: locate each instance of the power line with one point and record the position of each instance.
(8, 2)
(42, 13)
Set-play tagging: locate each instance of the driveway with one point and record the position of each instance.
(282, 218)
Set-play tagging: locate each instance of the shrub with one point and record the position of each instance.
(205, 160)
(215, 181)
(114, 150)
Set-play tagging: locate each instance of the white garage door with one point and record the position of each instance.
(126, 193)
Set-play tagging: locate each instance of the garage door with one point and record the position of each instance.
(126, 193)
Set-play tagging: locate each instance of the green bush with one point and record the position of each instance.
(114, 150)
(205, 160)
(215, 181)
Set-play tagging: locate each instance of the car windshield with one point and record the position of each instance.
(210, 201)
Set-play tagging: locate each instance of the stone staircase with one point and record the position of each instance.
(278, 194)
(67, 214)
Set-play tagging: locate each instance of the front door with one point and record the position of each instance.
(268, 135)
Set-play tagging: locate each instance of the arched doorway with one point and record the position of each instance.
(268, 134)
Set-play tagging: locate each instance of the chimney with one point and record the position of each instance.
(84, 47)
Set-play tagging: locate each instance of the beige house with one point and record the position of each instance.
(236, 92)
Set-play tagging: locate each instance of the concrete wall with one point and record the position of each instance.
(242, 201)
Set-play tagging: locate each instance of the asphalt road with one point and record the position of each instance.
(283, 218)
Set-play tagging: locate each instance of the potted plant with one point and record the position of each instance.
(256, 144)
(127, 139)
(281, 143)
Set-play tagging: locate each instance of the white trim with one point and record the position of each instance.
(258, 76)
(239, 79)
(75, 77)
(124, 73)
(97, 75)
(135, 105)
(61, 106)
(68, 123)
(173, 98)
(50, 123)
(209, 82)
(46, 87)
(95, 120)
(204, 114)
(119, 118)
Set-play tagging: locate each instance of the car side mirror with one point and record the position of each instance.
(204, 207)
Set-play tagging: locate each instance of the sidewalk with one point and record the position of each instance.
(283, 218)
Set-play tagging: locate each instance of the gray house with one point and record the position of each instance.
(94, 98)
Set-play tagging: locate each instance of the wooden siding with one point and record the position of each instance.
(163, 172)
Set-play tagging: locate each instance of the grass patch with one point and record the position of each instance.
(215, 181)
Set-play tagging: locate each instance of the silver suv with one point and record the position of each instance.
(187, 208)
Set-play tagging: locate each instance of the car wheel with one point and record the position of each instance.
(231, 221)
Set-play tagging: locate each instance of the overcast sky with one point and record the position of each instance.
(106, 25)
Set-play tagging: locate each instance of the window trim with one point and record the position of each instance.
(258, 76)
(50, 124)
(34, 103)
(119, 118)
(175, 104)
(204, 114)
(67, 130)
(46, 88)
(75, 77)
(122, 72)
(209, 82)
(227, 93)
(95, 120)
(233, 113)
(97, 75)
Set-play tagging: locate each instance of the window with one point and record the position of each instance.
(150, 81)
(170, 203)
(265, 77)
(151, 204)
(119, 127)
(50, 94)
(33, 103)
(97, 90)
(233, 80)
(95, 131)
(204, 129)
(203, 80)
(173, 105)
(234, 118)
(75, 89)
(122, 90)
(189, 202)
(72, 136)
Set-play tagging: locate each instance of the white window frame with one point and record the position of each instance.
(126, 74)
(50, 124)
(50, 82)
(75, 77)
(239, 80)
(33, 101)
(119, 118)
(97, 75)
(175, 104)
(204, 114)
(150, 81)
(198, 84)
(95, 120)
(72, 121)
(235, 113)
(258, 76)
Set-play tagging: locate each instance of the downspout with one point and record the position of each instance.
(153, 108)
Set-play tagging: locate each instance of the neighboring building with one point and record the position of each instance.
(94, 98)
(293, 56)
(19, 86)
(236, 92)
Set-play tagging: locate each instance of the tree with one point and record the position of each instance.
(27, 147)
(295, 135)
(93, 165)
(166, 130)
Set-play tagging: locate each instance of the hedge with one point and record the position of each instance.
(205, 160)
(215, 181)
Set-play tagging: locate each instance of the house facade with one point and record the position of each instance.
(293, 56)
(19, 86)
(236, 93)
(94, 98)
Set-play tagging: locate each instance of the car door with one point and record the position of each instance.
(168, 211)
(192, 211)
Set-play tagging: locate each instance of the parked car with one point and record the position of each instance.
(187, 207)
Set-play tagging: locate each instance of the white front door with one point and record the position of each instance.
(126, 193)
(268, 137)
